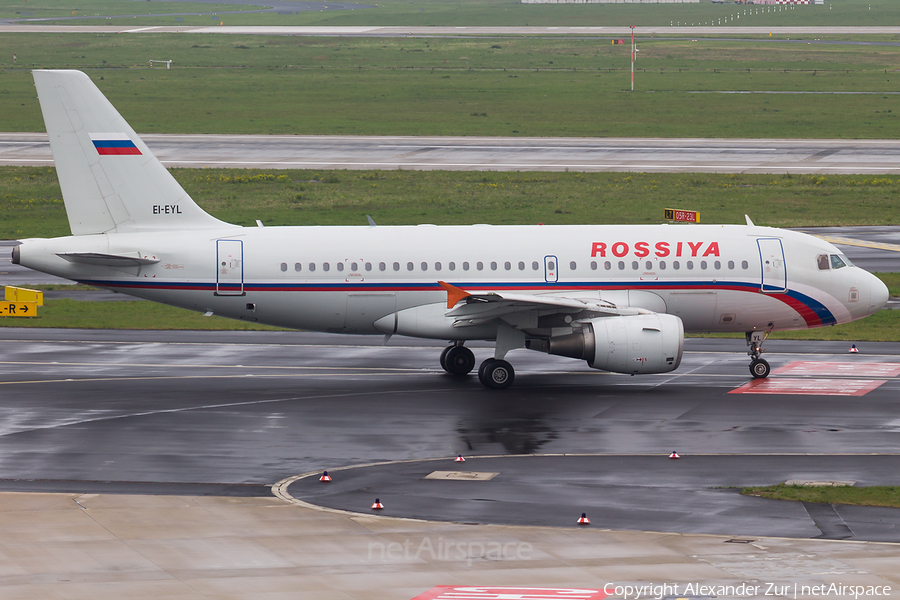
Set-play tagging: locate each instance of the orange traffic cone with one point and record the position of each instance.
(378, 505)
(674, 455)
(853, 349)
(325, 476)
(459, 458)
(584, 520)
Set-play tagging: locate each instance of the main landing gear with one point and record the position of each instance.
(494, 372)
(759, 367)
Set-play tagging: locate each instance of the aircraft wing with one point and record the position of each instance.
(477, 309)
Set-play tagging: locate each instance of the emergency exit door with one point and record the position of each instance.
(230, 268)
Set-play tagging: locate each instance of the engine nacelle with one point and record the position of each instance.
(636, 344)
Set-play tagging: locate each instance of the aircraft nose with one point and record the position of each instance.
(878, 295)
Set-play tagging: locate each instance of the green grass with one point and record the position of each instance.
(517, 87)
(31, 202)
(858, 496)
(86, 314)
(472, 12)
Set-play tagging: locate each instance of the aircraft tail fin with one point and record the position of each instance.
(111, 182)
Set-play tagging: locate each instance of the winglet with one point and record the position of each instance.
(454, 294)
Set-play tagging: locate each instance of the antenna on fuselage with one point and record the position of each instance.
(371, 221)
(749, 222)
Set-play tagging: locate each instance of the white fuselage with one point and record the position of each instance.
(346, 279)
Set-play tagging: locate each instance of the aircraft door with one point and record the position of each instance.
(551, 269)
(774, 271)
(230, 268)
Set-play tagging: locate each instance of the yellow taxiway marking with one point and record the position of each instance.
(845, 241)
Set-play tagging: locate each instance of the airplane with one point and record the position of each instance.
(619, 297)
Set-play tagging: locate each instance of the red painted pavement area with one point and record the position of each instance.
(810, 387)
(851, 368)
(454, 592)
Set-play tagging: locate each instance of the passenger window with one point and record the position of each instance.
(621, 265)
(326, 267)
(493, 266)
(572, 266)
(479, 265)
(521, 265)
(836, 262)
(745, 265)
(424, 266)
(690, 265)
(382, 266)
(340, 266)
(507, 265)
(717, 265)
(354, 267)
(410, 266)
(298, 267)
(607, 265)
(730, 265)
(634, 265)
(551, 265)
(822, 261)
(662, 265)
(451, 266)
(676, 265)
(465, 266)
(649, 266)
(312, 266)
(368, 266)
(593, 265)
(437, 266)
(396, 266)
(703, 264)
(284, 266)
(535, 266)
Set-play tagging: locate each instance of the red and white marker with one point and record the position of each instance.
(325, 476)
(377, 505)
(584, 520)
(853, 349)
(674, 455)
(459, 458)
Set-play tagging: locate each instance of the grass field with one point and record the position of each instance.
(858, 496)
(520, 87)
(31, 202)
(467, 12)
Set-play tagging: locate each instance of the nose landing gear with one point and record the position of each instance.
(759, 367)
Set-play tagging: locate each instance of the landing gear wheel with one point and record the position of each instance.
(496, 374)
(759, 368)
(458, 360)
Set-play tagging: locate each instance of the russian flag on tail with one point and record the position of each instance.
(114, 144)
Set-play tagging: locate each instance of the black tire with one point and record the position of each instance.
(444, 358)
(498, 374)
(759, 368)
(458, 360)
(481, 369)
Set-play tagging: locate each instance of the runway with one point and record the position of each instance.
(867, 157)
(147, 412)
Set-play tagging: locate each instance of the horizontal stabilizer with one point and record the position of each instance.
(109, 260)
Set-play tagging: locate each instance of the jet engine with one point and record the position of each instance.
(636, 344)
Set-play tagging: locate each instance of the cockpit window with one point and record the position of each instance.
(836, 262)
(822, 261)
